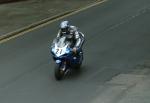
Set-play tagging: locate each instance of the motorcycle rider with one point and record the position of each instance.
(76, 36)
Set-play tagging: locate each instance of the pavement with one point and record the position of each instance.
(116, 67)
(22, 13)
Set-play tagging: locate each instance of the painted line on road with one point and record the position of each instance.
(47, 21)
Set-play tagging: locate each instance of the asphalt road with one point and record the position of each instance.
(117, 41)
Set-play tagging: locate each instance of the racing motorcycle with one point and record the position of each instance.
(64, 57)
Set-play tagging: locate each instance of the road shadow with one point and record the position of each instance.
(76, 73)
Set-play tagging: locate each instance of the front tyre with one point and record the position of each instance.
(59, 73)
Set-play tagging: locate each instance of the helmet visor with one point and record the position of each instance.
(64, 30)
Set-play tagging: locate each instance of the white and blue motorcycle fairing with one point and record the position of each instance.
(64, 57)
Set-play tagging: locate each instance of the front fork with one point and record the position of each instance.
(63, 66)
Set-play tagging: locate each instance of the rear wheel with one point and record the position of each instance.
(80, 62)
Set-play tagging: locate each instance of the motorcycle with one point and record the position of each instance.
(64, 57)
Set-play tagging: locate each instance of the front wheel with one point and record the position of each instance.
(59, 72)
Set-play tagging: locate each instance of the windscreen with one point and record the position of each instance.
(61, 42)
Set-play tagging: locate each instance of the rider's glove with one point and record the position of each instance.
(74, 50)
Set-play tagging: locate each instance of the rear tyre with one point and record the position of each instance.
(78, 66)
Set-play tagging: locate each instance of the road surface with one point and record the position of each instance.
(114, 70)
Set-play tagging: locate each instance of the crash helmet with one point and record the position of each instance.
(64, 26)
